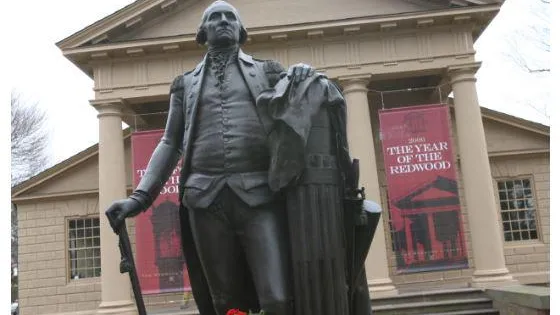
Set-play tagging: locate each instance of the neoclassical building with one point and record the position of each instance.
(382, 53)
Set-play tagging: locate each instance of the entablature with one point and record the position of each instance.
(387, 53)
(474, 16)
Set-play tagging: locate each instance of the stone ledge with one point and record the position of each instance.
(533, 297)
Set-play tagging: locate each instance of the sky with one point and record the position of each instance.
(39, 72)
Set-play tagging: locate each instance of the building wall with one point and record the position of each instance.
(44, 285)
(529, 261)
(43, 259)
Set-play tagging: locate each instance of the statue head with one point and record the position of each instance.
(221, 26)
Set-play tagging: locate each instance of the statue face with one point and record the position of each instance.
(222, 27)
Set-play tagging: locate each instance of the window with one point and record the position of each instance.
(517, 210)
(84, 252)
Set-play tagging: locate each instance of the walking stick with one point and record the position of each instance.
(355, 216)
(127, 266)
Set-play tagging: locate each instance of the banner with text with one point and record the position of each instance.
(424, 209)
(159, 257)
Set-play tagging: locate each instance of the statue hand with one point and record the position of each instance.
(122, 209)
(300, 72)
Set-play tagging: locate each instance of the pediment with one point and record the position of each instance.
(259, 14)
(502, 138)
(149, 19)
(83, 177)
(434, 192)
(441, 191)
(79, 176)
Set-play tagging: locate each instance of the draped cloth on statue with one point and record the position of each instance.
(305, 166)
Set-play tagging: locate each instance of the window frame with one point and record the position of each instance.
(514, 243)
(67, 220)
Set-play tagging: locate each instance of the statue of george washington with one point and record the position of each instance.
(265, 163)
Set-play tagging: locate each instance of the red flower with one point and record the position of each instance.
(235, 312)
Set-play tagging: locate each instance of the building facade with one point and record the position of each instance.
(382, 53)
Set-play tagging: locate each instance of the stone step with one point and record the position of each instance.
(432, 295)
(172, 311)
(433, 307)
(486, 311)
(464, 301)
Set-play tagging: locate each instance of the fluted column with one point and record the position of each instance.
(115, 287)
(361, 145)
(487, 244)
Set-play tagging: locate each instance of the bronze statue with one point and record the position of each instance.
(260, 146)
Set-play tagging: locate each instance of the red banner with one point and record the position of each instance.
(159, 257)
(424, 208)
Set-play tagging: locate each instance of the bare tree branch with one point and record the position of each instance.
(541, 110)
(528, 46)
(535, 36)
(29, 140)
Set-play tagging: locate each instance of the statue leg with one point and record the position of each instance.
(221, 255)
(264, 237)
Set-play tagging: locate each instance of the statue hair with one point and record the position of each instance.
(201, 36)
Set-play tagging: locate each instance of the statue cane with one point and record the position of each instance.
(127, 264)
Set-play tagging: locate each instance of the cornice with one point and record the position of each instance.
(127, 17)
(60, 196)
(517, 152)
(66, 195)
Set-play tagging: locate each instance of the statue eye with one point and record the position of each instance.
(215, 16)
(230, 16)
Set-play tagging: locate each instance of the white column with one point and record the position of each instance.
(115, 287)
(487, 244)
(361, 145)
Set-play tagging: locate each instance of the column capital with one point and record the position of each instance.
(354, 83)
(463, 72)
(109, 107)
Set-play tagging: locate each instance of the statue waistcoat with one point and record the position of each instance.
(229, 144)
(227, 116)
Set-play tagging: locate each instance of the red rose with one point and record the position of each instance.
(235, 312)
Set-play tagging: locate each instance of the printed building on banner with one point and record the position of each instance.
(464, 189)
